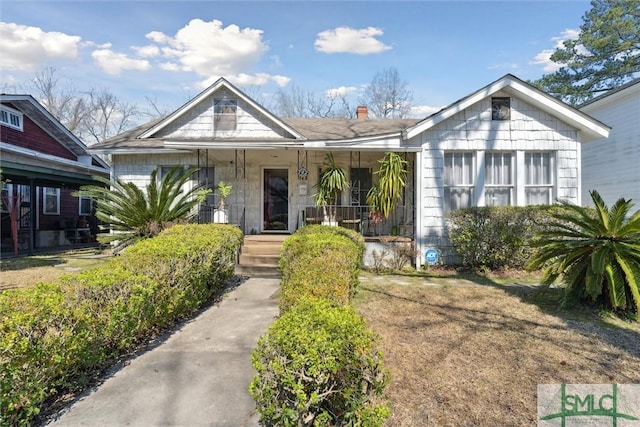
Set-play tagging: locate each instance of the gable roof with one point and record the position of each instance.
(590, 128)
(31, 108)
(219, 84)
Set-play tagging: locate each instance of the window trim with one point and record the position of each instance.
(512, 178)
(497, 102)
(80, 211)
(11, 113)
(45, 197)
(552, 176)
(220, 117)
(469, 186)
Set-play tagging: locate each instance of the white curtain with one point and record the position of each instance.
(498, 179)
(539, 183)
(458, 180)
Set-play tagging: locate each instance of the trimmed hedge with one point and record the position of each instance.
(318, 365)
(57, 336)
(321, 262)
(316, 229)
(496, 237)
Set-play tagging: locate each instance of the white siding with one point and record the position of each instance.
(197, 123)
(611, 165)
(529, 129)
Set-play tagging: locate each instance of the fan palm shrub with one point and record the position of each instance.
(133, 214)
(595, 252)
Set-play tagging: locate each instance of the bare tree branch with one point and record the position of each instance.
(387, 96)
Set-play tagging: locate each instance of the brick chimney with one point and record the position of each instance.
(362, 113)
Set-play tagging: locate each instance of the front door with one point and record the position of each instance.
(276, 200)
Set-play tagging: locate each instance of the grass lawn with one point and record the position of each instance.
(27, 271)
(470, 351)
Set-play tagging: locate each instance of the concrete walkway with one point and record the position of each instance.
(199, 376)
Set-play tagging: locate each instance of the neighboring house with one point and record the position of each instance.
(611, 165)
(43, 163)
(506, 144)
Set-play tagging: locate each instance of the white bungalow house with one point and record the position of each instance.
(505, 144)
(612, 165)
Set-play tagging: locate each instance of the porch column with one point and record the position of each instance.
(32, 215)
(419, 230)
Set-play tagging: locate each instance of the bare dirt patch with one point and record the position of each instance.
(473, 354)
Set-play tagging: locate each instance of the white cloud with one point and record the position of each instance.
(421, 111)
(281, 81)
(243, 80)
(340, 91)
(350, 40)
(544, 57)
(148, 51)
(210, 49)
(158, 37)
(509, 66)
(170, 66)
(27, 48)
(114, 63)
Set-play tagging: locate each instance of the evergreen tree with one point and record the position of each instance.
(605, 55)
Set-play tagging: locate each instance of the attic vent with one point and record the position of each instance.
(224, 115)
(500, 108)
(11, 118)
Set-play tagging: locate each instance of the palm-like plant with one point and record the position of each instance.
(133, 214)
(224, 191)
(392, 178)
(333, 180)
(595, 252)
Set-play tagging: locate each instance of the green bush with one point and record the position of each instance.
(496, 237)
(56, 336)
(316, 229)
(318, 365)
(319, 263)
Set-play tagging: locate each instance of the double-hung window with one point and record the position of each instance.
(459, 180)
(51, 202)
(539, 178)
(85, 205)
(498, 179)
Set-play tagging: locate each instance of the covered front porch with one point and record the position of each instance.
(273, 191)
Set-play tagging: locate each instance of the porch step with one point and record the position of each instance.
(260, 254)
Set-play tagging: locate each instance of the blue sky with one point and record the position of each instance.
(169, 51)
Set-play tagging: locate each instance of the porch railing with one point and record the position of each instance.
(360, 218)
(232, 214)
(355, 217)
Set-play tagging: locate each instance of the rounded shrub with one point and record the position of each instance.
(319, 365)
